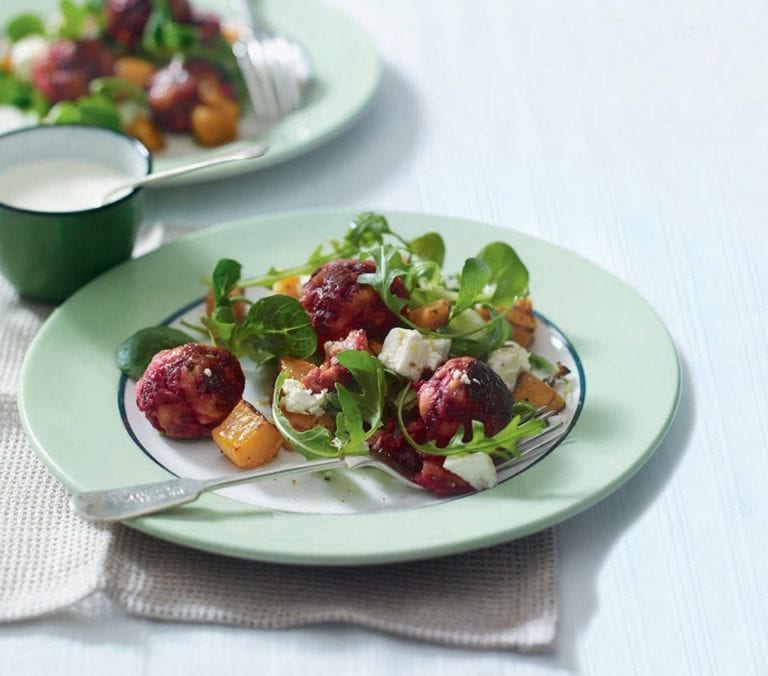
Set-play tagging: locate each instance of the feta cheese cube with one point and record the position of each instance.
(408, 352)
(508, 361)
(24, 55)
(298, 399)
(477, 469)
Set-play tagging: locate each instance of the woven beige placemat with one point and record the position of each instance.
(504, 597)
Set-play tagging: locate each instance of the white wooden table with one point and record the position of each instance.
(637, 135)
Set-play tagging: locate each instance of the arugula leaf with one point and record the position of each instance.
(508, 273)
(24, 24)
(429, 247)
(474, 276)
(366, 230)
(365, 406)
(135, 352)
(389, 267)
(312, 443)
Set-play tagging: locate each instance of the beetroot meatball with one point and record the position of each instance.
(65, 70)
(188, 390)
(462, 390)
(172, 94)
(177, 88)
(336, 303)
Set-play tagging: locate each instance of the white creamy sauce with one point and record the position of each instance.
(59, 185)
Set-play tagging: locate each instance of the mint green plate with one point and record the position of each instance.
(69, 395)
(346, 66)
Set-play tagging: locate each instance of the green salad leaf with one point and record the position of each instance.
(135, 352)
(76, 17)
(163, 37)
(94, 109)
(541, 363)
(21, 94)
(275, 325)
(117, 89)
(429, 247)
(474, 276)
(23, 25)
(508, 273)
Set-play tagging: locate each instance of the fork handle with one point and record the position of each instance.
(117, 504)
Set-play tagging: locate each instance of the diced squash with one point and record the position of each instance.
(536, 392)
(432, 316)
(296, 368)
(148, 133)
(134, 70)
(247, 438)
(304, 421)
(239, 308)
(523, 322)
(288, 287)
(214, 125)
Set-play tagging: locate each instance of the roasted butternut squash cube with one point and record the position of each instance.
(432, 316)
(536, 392)
(148, 133)
(523, 322)
(288, 287)
(302, 422)
(296, 368)
(247, 438)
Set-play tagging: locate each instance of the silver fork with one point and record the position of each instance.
(117, 504)
(275, 69)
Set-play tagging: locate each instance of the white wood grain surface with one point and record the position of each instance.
(637, 135)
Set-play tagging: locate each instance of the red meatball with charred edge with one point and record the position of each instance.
(64, 72)
(188, 390)
(460, 391)
(337, 304)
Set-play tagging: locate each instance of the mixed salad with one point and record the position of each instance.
(373, 349)
(147, 67)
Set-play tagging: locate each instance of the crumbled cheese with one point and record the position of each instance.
(298, 399)
(24, 55)
(508, 361)
(477, 469)
(129, 112)
(208, 372)
(408, 352)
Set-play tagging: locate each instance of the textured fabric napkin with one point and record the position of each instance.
(504, 597)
